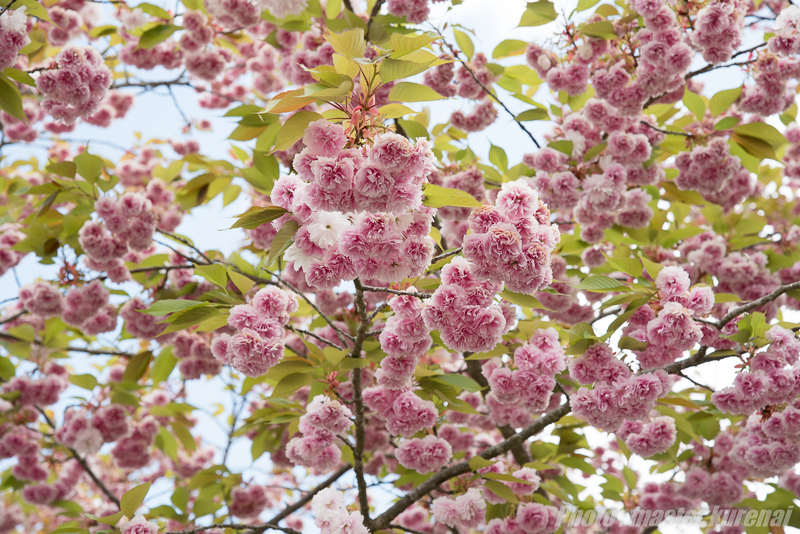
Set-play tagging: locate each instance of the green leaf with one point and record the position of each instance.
(11, 100)
(350, 44)
(133, 499)
(726, 297)
(156, 35)
(395, 69)
(102, 31)
(85, 381)
(479, 462)
(290, 384)
(509, 47)
(629, 266)
(413, 92)
(294, 128)
(333, 8)
(88, 166)
(727, 123)
(180, 498)
(535, 114)
(723, 100)
(438, 197)
(601, 283)
(651, 267)
(498, 156)
(282, 241)
(501, 490)
(402, 45)
(695, 104)
(583, 5)
(67, 169)
(538, 13)
(163, 366)
(526, 301)
(155, 11)
(33, 8)
(460, 381)
(601, 30)
(164, 307)
(562, 146)
(395, 111)
(464, 43)
(20, 76)
(216, 274)
(137, 366)
(632, 344)
(110, 520)
(257, 215)
(763, 132)
(755, 147)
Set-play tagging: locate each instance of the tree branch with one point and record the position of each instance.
(358, 404)
(82, 462)
(395, 292)
(731, 315)
(446, 255)
(250, 528)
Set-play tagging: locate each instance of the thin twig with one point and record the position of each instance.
(374, 289)
(7, 7)
(188, 243)
(289, 510)
(315, 336)
(250, 528)
(668, 132)
(447, 254)
(82, 462)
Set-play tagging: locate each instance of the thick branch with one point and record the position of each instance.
(446, 255)
(96, 352)
(358, 404)
(382, 521)
(766, 299)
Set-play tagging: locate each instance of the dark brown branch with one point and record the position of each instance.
(251, 529)
(766, 299)
(446, 255)
(358, 404)
(384, 520)
(668, 132)
(315, 336)
(180, 239)
(96, 352)
(7, 7)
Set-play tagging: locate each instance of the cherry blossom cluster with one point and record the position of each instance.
(46, 493)
(463, 310)
(718, 29)
(331, 515)
(648, 439)
(714, 173)
(194, 355)
(673, 330)
(10, 235)
(618, 395)
(404, 412)
(530, 517)
(87, 435)
(258, 343)
(13, 36)
(76, 88)
(786, 38)
(405, 339)
(768, 382)
(87, 309)
(511, 242)
(134, 450)
(139, 324)
(528, 387)
(360, 211)
(39, 392)
(424, 455)
(770, 93)
(454, 220)
(468, 81)
(247, 502)
(664, 55)
(41, 298)
(323, 421)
